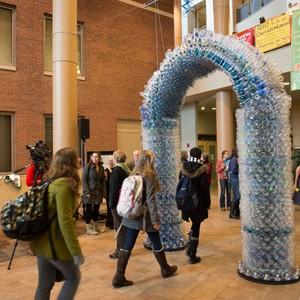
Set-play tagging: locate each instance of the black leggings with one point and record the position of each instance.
(195, 229)
(91, 211)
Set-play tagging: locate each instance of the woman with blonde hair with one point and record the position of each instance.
(145, 168)
(58, 249)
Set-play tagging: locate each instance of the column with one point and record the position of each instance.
(177, 23)
(64, 62)
(225, 130)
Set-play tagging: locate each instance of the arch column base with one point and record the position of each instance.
(270, 282)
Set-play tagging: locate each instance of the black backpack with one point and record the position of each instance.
(186, 198)
(26, 217)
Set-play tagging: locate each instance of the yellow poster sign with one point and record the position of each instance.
(273, 33)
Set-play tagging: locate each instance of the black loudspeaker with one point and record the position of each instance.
(84, 129)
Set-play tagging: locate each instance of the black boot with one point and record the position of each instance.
(165, 268)
(188, 244)
(193, 250)
(119, 279)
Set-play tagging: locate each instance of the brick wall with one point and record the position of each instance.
(119, 55)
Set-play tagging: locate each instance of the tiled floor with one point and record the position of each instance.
(214, 278)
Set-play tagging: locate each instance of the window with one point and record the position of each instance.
(5, 142)
(200, 16)
(49, 132)
(7, 27)
(48, 47)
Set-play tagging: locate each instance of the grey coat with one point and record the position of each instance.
(152, 216)
(93, 184)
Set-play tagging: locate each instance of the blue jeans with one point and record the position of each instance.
(132, 234)
(47, 273)
(236, 195)
(225, 187)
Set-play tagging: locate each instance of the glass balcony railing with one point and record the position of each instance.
(250, 7)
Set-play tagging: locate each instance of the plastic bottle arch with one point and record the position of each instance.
(263, 140)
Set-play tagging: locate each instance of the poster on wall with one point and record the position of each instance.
(295, 73)
(273, 33)
(247, 36)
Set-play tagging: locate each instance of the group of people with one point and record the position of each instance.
(58, 250)
(227, 169)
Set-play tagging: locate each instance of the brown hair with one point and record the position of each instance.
(184, 156)
(145, 166)
(223, 152)
(65, 164)
(119, 156)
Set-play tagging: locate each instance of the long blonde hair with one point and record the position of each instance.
(65, 164)
(145, 166)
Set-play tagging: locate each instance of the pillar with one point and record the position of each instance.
(224, 116)
(224, 110)
(177, 23)
(64, 62)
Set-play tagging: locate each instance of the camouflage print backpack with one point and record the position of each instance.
(26, 217)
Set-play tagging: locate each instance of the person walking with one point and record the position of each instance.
(222, 171)
(94, 190)
(149, 223)
(119, 172)
(58, 249)
(208, 165)
(196, 171)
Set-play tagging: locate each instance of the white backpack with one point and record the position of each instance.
(130, 203)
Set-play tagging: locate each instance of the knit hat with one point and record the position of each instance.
(195, 154)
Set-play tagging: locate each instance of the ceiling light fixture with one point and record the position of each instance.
(213, 108)
(203, 108)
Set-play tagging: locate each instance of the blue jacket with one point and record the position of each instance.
(233, 168)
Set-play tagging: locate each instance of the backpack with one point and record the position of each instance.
(131, 204)
(186, 199)
(26, 217)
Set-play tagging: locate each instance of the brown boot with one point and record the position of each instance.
(166, 269)
(119, 279)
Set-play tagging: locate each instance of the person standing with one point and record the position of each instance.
(196, 171)
(222, 171)
(297, 187)
(119, 172)
(135, 155)
(109, 218)
(145, 168)
(58, 248)
(94, 190)
(234, 183)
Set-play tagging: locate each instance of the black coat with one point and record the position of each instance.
(93, 184)
(199, 177)
(117, 177)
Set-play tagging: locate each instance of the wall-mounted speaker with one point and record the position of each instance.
(84, 125)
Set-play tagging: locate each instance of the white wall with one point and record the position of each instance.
(188, 126)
